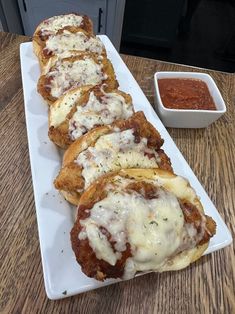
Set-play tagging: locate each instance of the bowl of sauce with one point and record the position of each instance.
(187, 99)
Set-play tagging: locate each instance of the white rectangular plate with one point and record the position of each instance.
(62, 274)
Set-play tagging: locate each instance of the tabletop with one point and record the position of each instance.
(207, 286)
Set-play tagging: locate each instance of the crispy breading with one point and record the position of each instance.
(60, 135)
(70, 178)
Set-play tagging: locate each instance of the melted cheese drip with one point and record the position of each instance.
(115, 151)
(61, 108)
(53, 24)
(154, 228)
(79, 73)
(73, 41)
(111, 107)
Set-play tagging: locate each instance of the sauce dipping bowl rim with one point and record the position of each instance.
(190, 75)
(189, 118)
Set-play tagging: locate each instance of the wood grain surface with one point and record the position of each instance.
(207, 286)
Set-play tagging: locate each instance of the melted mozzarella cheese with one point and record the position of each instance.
(53, 24)
(73, 41)
(115, 151)
(101, 245)
(154, 228)
(57, 58)
(61, 108)
(78, 73)
(111, 107)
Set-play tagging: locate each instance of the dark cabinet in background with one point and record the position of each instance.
(107, 15)
(152, 22)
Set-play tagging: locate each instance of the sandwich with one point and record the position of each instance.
(76, 71)
(57, 23)
(139, 220)
(131, 143)
(71, 39)
(84, 108)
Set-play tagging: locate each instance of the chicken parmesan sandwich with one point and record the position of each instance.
(131, 143)
(139, 220)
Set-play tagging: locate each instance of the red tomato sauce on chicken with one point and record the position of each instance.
(177, 93)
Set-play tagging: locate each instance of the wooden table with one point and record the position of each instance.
(205, 287)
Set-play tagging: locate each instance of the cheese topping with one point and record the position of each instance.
(111, 107)
(78, 73)
(154, 227)
(53, 24)
(115, 151)
(58, 57)
(73, 41)
(60, 109)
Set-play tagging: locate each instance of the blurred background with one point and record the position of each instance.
(194, 32)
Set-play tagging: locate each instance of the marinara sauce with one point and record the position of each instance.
(180, 93)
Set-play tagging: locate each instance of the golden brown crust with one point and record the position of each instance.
(44, 91)
(193, 216)
(91, 266)
(36, 46)
(99, 269)
(143, 129)
(70, 177)
(45, 80)
(60, 134)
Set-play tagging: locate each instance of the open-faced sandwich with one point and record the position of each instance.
(139, 220)
(74, 40)
(131, 143)
(76, 71)
(55, 24)
(82, 109)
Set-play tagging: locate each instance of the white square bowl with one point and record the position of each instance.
(185, 118)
